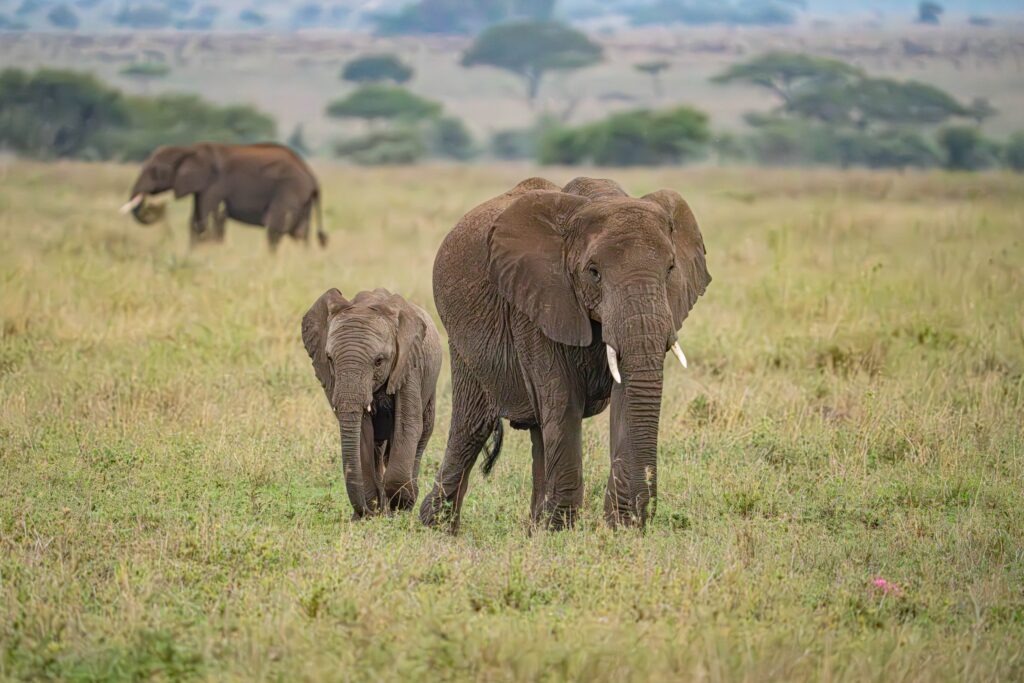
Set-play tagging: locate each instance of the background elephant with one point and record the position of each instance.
(377, 358)
(263, 184)
(550, 297)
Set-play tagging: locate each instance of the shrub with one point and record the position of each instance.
(396, 146)
(377, 101)
(64, 17)
(376, 68)
(1014, 152)
(452, 139)
(966, 149)
(633, 138)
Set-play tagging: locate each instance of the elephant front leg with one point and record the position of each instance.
(400, 474)
(205, 207)
(372, 470)
(562, 435)
(538, 495)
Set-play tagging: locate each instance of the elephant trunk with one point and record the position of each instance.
(643, 412)
(351, 422)
(351, 400)
(640, 340)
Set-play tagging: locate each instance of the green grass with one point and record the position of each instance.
(171, 502)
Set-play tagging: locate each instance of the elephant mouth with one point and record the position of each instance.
(145, 211)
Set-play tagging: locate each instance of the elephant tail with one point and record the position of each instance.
(492, 453)
(320, 234)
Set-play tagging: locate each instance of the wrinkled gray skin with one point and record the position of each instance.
(377, 350)
(531, 286)
(263, 184)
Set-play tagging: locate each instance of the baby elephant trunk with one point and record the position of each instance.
(351, 422)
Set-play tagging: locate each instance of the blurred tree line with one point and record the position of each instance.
(830, 112)
(54, 113)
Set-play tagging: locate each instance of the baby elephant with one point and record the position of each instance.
(377, 358)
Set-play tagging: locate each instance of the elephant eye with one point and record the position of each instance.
(378, 361)
(595, 274)
(671, 267)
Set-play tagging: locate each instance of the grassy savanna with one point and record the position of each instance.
(171, 501)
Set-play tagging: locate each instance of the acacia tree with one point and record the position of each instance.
(530, 49)
(654, 69)
(868, 101)
(376, 68)
(788, 73)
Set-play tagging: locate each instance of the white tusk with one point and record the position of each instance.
(613, 363)
(678, 350)
(134, 202)
(368, 408)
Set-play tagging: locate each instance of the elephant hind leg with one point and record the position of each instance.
(473, 417)
(279, 219)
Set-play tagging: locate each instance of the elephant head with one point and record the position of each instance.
(593, 261)
(363, 352)
(185, 170)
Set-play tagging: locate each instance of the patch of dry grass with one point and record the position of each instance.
(171, 504)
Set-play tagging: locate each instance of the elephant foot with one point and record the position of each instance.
(438, 512)
(560, 517)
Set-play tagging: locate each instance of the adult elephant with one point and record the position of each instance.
(555, 301)
(262, 184)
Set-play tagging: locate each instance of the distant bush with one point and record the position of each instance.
(889, 149)
(460, 16)
(1014, 152)
(184, 119)
(8, 24)
(252, 17)
(376, 68)
(636, 138)
(63, 17)
(388, 102)
(144, 16)
(451, 139)
(966, 149)
(146, 70)
(395, 146)
(514, 143)
(55, 113)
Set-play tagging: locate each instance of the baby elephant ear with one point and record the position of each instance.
(527, 263)
(690, 278)
(314, 335)
(408, 347)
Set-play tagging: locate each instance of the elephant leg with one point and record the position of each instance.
(399, 478)
(426, 430)
(204, 207)
(278, 220)
(219, 221)
(473, 417)
(537, 498)
(371, 466)
(562, 436)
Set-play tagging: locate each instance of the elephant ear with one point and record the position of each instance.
(409, 339)
(527, 263)
(194, 173)
(314, 335)
(690, 278)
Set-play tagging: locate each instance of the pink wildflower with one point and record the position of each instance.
(887, 587)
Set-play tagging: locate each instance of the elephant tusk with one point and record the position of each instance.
(678, 350)
(613, 363)
(134, 202)
(368, 408)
